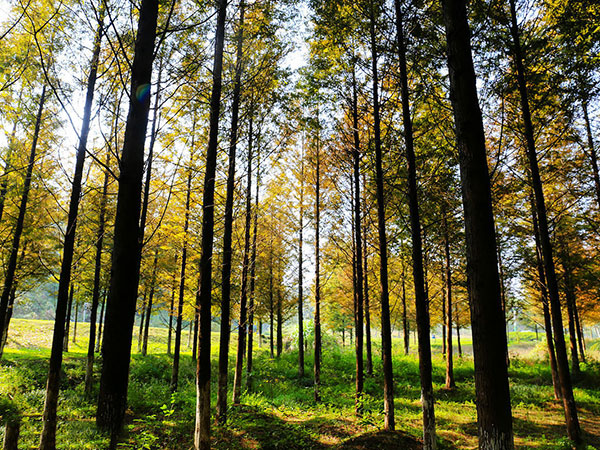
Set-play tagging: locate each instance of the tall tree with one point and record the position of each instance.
(202, 428)
(494, 416)
(573, 429)
(121, 302)
(421, 302)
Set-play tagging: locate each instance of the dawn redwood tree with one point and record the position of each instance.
(494, 417)
(301, 274)
(202, 428)
(48, 436)
(318, 341)
(225, 332)
(386, 329)
(251, 299)
(186, 224)
(421, 302)
(89, 370)
(243, 320)
(570, 408)
(150, 299)
(121, 301)
(9, 274)
(450, 384)
(359, 284)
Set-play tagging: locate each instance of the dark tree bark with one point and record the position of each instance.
(271, 303)
(100, 323)
(572, 421)
(202, 429)
(570, 300)
(76, 317)
(579, 331)
(225, 332)
(9, 275)
(252, 281)
(405, 326)
(592, 150)
(359, 285)
(48, 436)
(279, 318)
(172, 306)
(186, 224)
(366, 297)
(11, 436)
(487, 320)
(125, 270)
(243, 320)
(458, 338)
(301, 275)
(386, 329)
(318, 341)
(89, 370)
(149, 308)
(450, 384)
(545, 306)
(421, 301)
(142, 318)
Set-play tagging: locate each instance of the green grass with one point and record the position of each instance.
(279, 411)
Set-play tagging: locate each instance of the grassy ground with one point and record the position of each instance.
(279, 411)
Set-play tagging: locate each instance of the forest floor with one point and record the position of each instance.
(279, 412)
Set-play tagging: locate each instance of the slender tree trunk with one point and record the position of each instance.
(489, 334)
(186, 224)
(271, 302)
(279, 320)
(150, 299)
(592, 150)
(252, 281)
(142, 318)
(76, 317)
(172, 306)
(225, 332)
(9, 313)
(570, 299)
(450, 384)
(48, 437)
(9, 275)
(121, 302)
(202, 429)
(366, 297)
(421, 301)
(386, 329)
(89, 371)
(572, 421)
(405, 325)
(579, 331)
(458, 338)
(243, 321)
(7, 168)
(318, 337)
(100, 323)
(301, 275)
(11, 436)
(545, 306)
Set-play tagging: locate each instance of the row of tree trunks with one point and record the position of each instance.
(252, 279)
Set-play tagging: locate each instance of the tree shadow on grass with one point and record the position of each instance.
(251, 428)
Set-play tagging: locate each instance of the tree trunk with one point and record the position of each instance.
(202, 428)
(9, 275)
(243, 320)
(150, 299)
(125, 270)
(579, 331)
(570, 300)
(48, 436)
(11, 436)
(252, 282)
(271, 302)
(279, 319)
(89, 371)
(450, 384)
(592, 150)
(421, 301)
(142, 318)
(11, 304)
(458, 338)
(301, 275)
(225, 331)
(186, 224)
(572, 421)
(100, 323)
(172, 306)
(386, 329)
(366, 297)
(318, 341)
(489, 334)
(7, 168)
